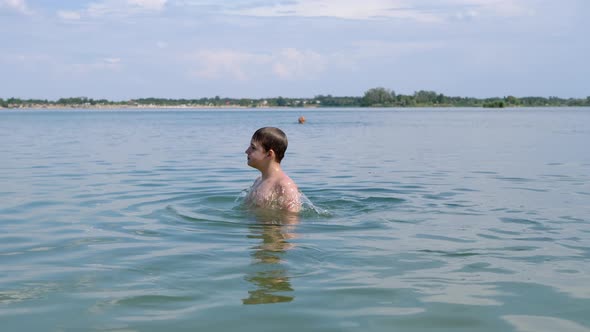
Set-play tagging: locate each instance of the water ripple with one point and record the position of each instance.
(128, 221)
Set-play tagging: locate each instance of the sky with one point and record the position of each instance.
(125, 49)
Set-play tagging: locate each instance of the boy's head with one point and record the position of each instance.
(271, 138)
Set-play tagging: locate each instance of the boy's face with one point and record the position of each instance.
(257, 155)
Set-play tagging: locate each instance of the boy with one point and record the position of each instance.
(273, 189)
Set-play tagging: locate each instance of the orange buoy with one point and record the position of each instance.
(301, 119)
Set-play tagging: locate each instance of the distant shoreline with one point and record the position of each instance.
(115, 107)
(228, 107)
(374, 98)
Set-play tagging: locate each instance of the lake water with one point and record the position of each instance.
(418, 220)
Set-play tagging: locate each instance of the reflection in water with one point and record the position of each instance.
(269, 274)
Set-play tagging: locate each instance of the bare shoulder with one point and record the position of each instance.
(286, 183)
(290, 199)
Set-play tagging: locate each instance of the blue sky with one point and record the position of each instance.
(123, 49)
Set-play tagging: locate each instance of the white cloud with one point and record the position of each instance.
(296, 64)
(27, 62)
(111, 61)
(292, 63)
(99, 66)
(428, 11)
(117, 8)
(15, 5)
(24, 59)
(148, 4)
(369, 51)
(473, 9)
(287, 63)
(378, 48)
(503, 8)
(226, 63)
(68, 15)
(345, 9)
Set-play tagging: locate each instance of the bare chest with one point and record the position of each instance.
(262, 194)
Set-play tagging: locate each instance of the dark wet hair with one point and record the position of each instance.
(272, 138)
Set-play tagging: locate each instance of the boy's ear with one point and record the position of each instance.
(271, 153)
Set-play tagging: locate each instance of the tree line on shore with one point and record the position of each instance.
(375, 97)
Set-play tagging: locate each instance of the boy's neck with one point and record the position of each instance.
(272, 169)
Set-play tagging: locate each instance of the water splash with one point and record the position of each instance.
(307, 207)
